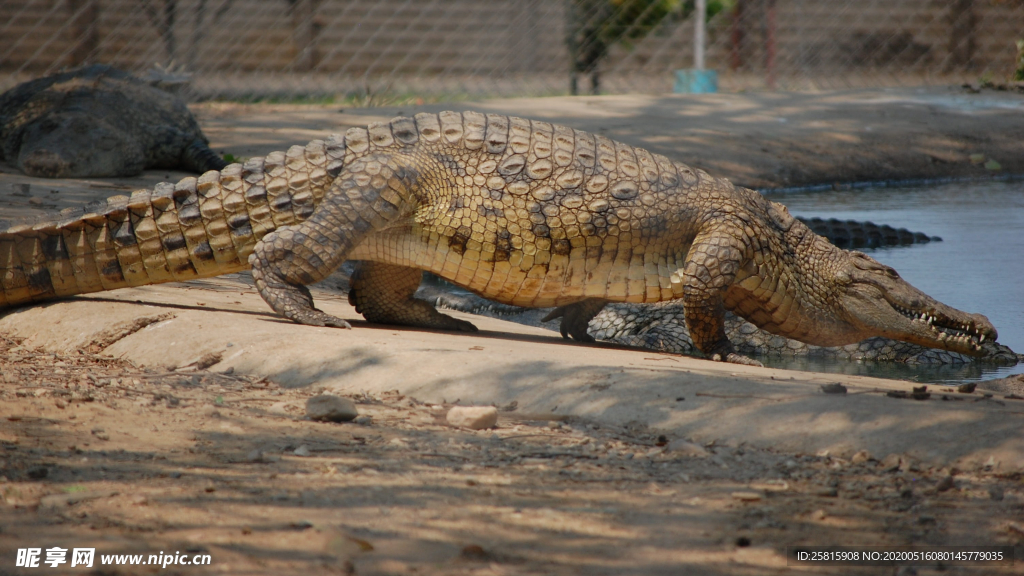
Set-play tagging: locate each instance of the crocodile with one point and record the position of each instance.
(857, 234)
(99, 121)
(661, 327)
(521, 212)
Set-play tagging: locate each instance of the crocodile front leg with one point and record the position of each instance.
(710, 269)
(383, 293)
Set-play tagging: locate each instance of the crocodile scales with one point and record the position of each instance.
(521, 212)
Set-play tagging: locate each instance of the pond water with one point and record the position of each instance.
(978, 267)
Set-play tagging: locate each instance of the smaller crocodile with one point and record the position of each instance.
(98, 121)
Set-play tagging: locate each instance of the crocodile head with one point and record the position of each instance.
(877, 302)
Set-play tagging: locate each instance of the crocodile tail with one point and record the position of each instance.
(198, 228)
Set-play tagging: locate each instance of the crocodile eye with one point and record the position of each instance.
(891, 273)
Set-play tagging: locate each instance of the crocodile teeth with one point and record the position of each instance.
(982, 339)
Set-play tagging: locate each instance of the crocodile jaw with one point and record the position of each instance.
(878, 301)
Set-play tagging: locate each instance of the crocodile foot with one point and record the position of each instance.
(576, 318)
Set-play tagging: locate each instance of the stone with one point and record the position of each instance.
(473, 417)
(302, 451)
(330, 408)
(860, 457)
(945, 484)
(685, 448)
(891, 462)
(746, 496)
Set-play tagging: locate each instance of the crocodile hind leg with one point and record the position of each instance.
(383, 293)
(711, 266)
(288, 259)
(576, 318)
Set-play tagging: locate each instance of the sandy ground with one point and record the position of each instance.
(172, 418)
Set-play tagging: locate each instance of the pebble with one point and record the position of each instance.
(827, 493)
(364, 420)
(330, 408)
(945, 484)
(472, 417)
(891, 462)
(746, 496)
(259, 456)
(685, 448)
(302, 451)
(860, 457)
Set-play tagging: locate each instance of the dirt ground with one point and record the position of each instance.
(196, 459)
(97, 452)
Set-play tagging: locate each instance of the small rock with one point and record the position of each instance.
(833, 388)
(475, 553)
(860, 457)
(38, 472)
(945, 484)
(330, 408)
(209, 412)
(100, 433)
(60, 403)
(364, 420)
(818, 515)
(746, 496)
(554, 424)
(990, 463)
(473, 417)
(139, 500)
(302, 451)
(827, 493)
(891, 462)
(685, 448)
(996, 493)
(260, 457)
(926, 519)
(743, 542)
(908, 465)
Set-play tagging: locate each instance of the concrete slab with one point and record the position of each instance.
(543, 374)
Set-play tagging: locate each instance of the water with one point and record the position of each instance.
(978, 267)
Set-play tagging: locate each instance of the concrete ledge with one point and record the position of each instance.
(505, 362)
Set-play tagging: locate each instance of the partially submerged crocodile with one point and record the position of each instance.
(99, 121)
(856, 234)
(524, 213)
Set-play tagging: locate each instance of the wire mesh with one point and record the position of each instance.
(384, 51)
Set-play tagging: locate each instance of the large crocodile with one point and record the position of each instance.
(524, 213)
(99, 121)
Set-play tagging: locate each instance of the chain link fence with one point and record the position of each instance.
(385, 51)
